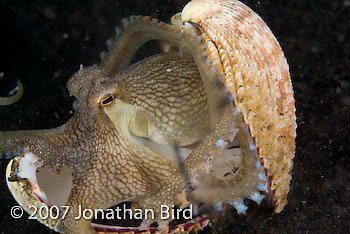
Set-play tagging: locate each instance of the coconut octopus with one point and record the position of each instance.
(207, 125)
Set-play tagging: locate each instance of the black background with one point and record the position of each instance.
(43, 43)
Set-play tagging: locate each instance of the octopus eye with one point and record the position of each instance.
(107, 100)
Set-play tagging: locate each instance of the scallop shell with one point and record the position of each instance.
(243, 49)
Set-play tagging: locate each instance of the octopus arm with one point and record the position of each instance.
(5, 101)
(50, 145)
(185, 38)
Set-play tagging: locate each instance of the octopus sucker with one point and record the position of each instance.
(207, 123)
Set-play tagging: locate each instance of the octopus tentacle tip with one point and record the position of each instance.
(15, 95)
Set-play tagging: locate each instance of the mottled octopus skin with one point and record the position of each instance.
(238, 86)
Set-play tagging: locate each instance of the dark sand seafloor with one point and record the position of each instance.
(44, 42)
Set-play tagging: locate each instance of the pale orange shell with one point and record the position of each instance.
(243, 49)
